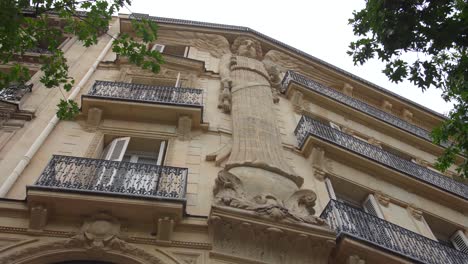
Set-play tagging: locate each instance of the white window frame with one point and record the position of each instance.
(372, 202)
(109, 153)
(335, 126)
(158, 47)
(460, 241)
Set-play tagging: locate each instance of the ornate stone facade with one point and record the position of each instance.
(240, 150)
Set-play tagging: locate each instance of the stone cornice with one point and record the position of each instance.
(246, 30)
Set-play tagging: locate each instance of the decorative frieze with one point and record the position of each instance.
(407, 115)
(242, 236)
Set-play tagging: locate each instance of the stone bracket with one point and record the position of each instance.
(38, 217)
(165, 228)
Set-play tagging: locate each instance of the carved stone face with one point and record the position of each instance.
(247, 49)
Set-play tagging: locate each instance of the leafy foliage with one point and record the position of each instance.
(425, 42)
(26, 25)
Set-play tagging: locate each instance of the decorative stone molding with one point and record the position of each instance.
(98, 138)
(165, 229)
(416, 213)
(184, 127)
(320, 174)
(317, 158)
(382, 198)
(407, 115)
(348, 89)
(99, 233)
(94, 118)
(386, 106)
(37, 217)
(297, 100)
(242, 237)
(298, 208)
(76, 243)
(355, 259)
(348, 130)
(374, 142)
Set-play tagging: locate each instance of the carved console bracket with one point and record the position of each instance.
(242, 237)
(94, 118)
(165, 229)
(317, 158)
(348, 89)
(320, 174)
(184, 127)
(38, 217)
(415, 212)
(382, 198)
(355, 259)
(297, 101)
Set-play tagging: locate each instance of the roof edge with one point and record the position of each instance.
(176, 21)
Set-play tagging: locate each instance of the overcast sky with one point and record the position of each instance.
(319, 28)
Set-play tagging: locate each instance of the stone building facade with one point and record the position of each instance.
(240, 150)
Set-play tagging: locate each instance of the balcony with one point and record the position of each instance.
(96, 184)
(310, 127)
(359, 225)
(138, 102)
(13, 93)
(367, 109)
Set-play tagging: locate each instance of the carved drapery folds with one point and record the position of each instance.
(229, 191)
(248, 91)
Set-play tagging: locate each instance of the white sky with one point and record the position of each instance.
(319, 28)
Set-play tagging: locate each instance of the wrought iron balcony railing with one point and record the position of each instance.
(352, 222)
(67, 173)
(356, 104)
(310, 127)
(147, 93)
(14, 92)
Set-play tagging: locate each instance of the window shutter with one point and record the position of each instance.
(460, 241)
(331, 192)
(177, 84)
(162, 150)
(116, 149)
(158, 47)
(371, 206)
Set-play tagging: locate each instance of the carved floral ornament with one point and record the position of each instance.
(99, 236)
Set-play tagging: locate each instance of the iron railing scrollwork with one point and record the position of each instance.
(350, 221)
(308, 126)
(114, 177)
(14, 92)
(147, 93)
(355, 103)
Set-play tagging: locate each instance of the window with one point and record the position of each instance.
(175, 81)
(135, 150)
(175, 50)
(158, 47)
(371, 206)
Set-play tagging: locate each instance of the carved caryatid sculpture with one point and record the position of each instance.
(256, 176)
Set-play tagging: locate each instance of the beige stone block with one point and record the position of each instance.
(192, 188)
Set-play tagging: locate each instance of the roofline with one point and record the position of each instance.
(175, 21)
